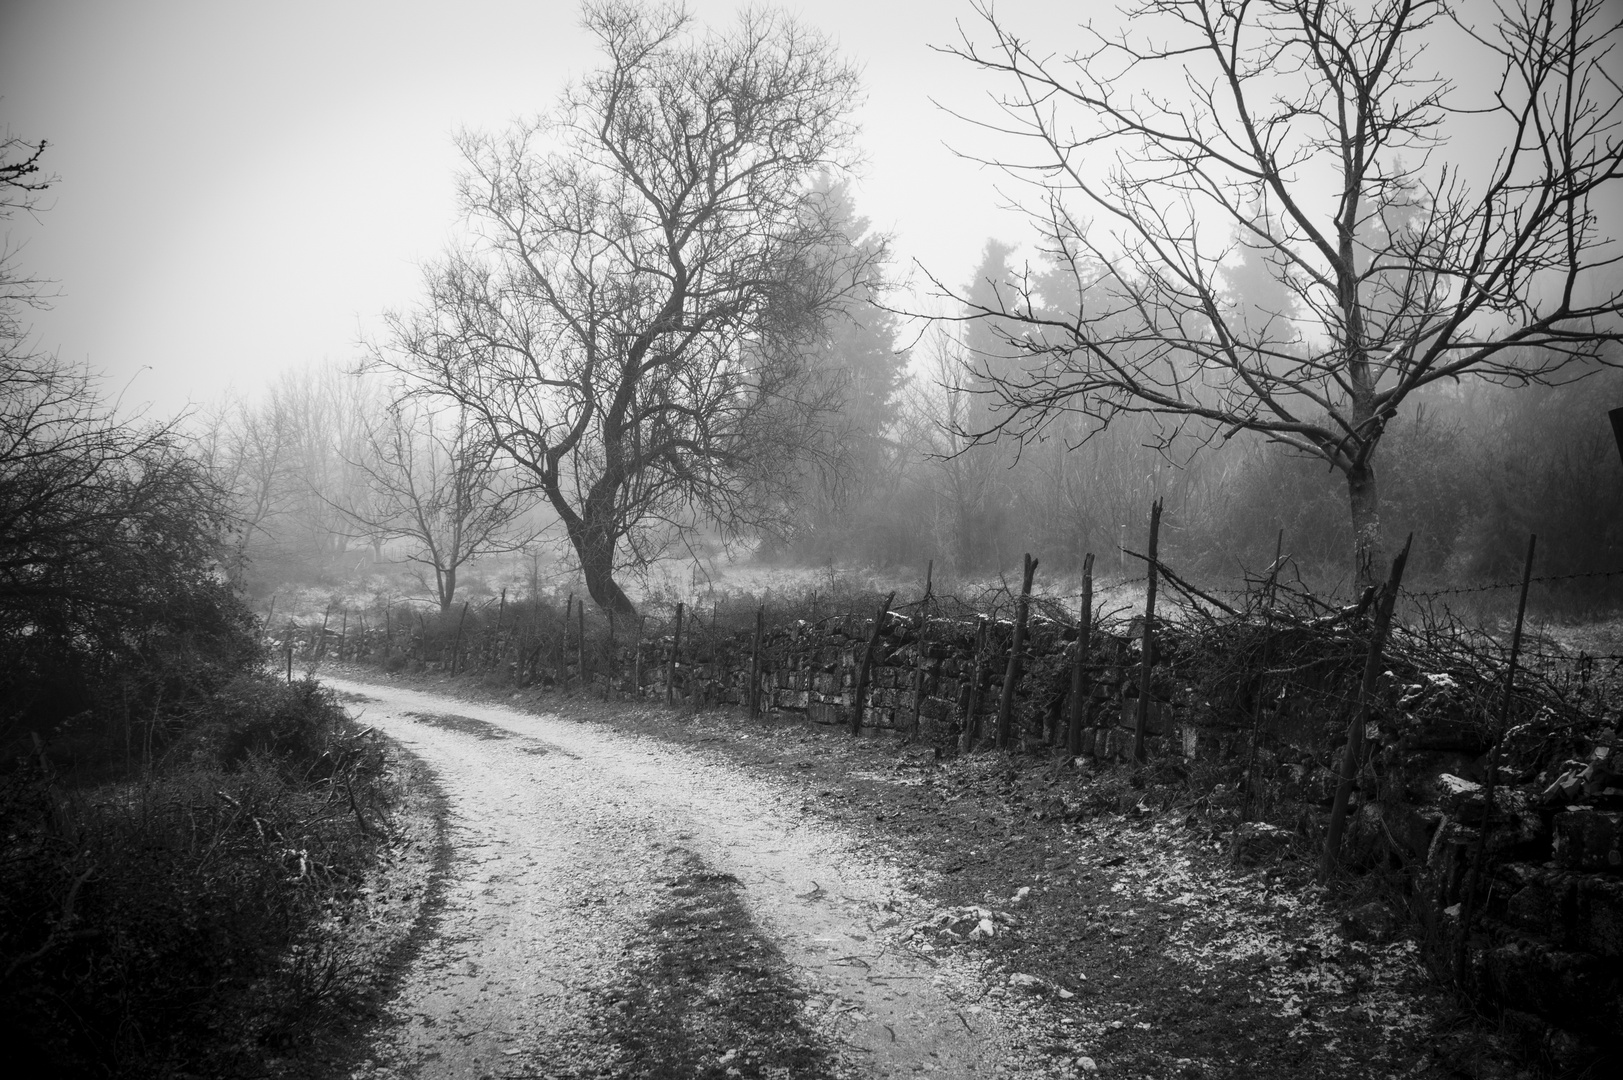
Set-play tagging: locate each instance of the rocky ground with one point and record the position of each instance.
(634, 892)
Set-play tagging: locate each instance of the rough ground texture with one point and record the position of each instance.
(619, 906)
(638, 893)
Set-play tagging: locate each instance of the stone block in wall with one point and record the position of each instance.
(1588, 839)
(825, 712)
(791, 699)
(1158, 722)
(1411, 827)
(1296, 724)
(1543, 902)
(1598, 916)
(1116, 744)
(1464, 799)
(1580, 989)
(1446, 858)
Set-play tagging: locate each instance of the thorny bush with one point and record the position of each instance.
(176, 921)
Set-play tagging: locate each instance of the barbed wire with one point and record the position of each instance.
(1543, 579)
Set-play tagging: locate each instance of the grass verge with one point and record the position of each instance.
(229, 908)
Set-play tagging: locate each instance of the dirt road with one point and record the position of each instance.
(621, 907)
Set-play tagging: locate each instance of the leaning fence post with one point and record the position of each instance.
(318, 647)
(1005, 706)
(972, 722)
(1081, 690)
(1348, 773)
(1142, 720)
(866, 669)
(676, 649)
(1469, 908)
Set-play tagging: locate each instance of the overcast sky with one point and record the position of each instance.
(246, 186)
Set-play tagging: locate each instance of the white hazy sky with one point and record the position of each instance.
(245, 186)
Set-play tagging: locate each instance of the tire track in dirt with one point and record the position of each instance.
(564, 841)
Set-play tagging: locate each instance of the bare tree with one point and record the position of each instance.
(1304, 140)
(440, 484)
(318, 418)
(649, 261)
(22, 183)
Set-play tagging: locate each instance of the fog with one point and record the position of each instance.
(243, 197)
(245, 189)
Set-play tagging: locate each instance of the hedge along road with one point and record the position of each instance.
(616, 906)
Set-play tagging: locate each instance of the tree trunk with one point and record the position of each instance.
(445, 583)
(1353, 755)
(595, 550)
(1366, 524)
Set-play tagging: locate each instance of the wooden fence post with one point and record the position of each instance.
(1005, 707)
(580, 647)
(676, 651)
(318, 646)
(972, 722)
(1142, 720)
(1262, 678)
(755, 663)
(1468, 910)
(1348, 773)
(608, 677)
(636, 662)
(923, 649)
(494, 652)
(343, 635)
(1081, 685)
(288, 640)
(563, 643)
(866, 670)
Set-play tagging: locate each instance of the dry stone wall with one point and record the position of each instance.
(1545, 945)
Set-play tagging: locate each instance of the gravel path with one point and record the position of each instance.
(569, 843)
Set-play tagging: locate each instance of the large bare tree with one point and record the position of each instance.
(1412, 229)
(649, 261)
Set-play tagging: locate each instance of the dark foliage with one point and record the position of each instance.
(174, 924)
